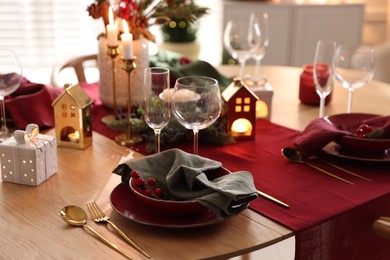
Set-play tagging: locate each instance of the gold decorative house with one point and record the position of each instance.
(73, 118)
(241, 110)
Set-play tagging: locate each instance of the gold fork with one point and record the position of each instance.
(99, 217)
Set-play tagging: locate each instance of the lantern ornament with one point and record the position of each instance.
(73, 118)
(241, 110)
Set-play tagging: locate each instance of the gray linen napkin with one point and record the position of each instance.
(185, 177)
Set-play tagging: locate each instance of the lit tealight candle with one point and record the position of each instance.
(261, 109)
(127, 41)
(112, 29)
(241, 126)
(74, 137)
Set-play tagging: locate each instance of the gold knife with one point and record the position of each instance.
(265, 195)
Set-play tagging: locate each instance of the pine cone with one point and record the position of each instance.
(94, 11)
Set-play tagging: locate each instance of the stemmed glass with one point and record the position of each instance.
(10, 79)
(323, 72)
(236, 41)
(196, 103)
(354, 67)
(259, 38)
(157, 101)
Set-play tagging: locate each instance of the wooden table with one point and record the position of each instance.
(32, 228)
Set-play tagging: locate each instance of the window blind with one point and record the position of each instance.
(46, 32)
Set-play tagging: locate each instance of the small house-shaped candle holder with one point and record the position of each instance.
(241, 110)
(264, 104)
(264, 92)
(73, 118)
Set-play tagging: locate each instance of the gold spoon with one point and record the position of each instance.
(76, 216)
(294, 155)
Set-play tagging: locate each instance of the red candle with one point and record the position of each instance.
(307, 90)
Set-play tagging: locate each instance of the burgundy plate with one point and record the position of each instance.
(335, 150)
(124, 202)
(168, 206)
(351, 122)
(175, 207)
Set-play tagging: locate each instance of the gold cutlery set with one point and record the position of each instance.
(295, 156)
(76, 216)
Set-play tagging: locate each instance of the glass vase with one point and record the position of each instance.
(106, 89)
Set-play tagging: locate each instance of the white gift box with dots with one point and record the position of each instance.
(29, 163)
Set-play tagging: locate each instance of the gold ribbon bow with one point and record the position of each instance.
(22, 137)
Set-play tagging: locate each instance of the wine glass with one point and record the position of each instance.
(323, 72)
(196, 103)
(10, 79)
(354, 67)
(157, 101)
(259, 38)
(236, 41)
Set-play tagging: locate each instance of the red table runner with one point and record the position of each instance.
(330, 218)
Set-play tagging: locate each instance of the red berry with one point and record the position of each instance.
(184, 61)
(158, 192)
(140, 181)
(134, 174)
(363, 130)
(151, 181)
(147, 193)
(359, 135)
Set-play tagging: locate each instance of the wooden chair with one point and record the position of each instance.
(78, 64)
(381, 227)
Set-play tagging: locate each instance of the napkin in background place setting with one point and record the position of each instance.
(185, 176)
(320, 132)
(172, 61)
(31, 103)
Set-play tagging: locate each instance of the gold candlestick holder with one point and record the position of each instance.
(127, 138)
(113, 52)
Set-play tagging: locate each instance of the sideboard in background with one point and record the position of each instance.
(295, 28)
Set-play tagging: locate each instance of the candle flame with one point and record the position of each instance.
(125, 26)
(110, 15)
(77, 134)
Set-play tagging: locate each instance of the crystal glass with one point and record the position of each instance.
(323, 72)
(196, 103)
(354, 67)
(236, 41)
(259, 38)
(10, 79)
(157, 101)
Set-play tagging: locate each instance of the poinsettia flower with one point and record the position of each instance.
(127, 9)
(141, 14)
